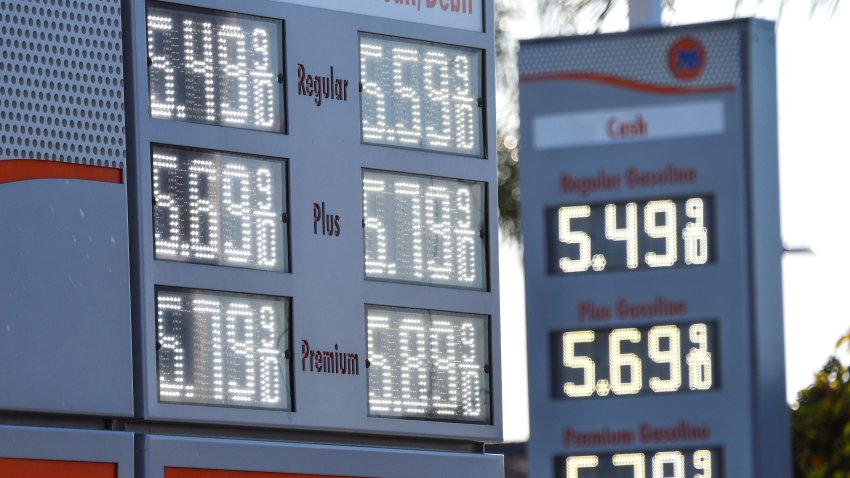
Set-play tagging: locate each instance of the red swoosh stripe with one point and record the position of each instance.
(625, 83)
(28, 169)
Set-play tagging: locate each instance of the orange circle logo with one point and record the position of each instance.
(686, 58)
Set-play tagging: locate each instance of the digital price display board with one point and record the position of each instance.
(314, 214)
(219, 208)
(652, 254)
(249, 222)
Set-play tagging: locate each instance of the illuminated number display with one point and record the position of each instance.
(206, 66)
(704, 463)
(216, 348)
(635, 361)
(219, 208)
(421, 95)
(424, 229)
(428, 365)
(656, 234)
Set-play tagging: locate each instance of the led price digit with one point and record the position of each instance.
(420, 95)
(671, 232)
(222, 349)
(428, 365)
(658, 358)
(213, 67)
(423, 229)
(663, 464)
(218, 208)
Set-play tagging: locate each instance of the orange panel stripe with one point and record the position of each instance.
(28, 169)
(625, 83)
(200, 473)
(22, 468)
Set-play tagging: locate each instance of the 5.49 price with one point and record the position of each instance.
(657, 234)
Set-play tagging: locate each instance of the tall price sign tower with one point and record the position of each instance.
(652, 254)
(248, 237)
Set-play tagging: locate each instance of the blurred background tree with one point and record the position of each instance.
(554, 17)
(820, 422)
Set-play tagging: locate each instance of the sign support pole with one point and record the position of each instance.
(644, 14)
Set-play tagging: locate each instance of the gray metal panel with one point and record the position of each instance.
(159, 452)
(65, 335)
(771, 415)
(69, 445)
(717, 291)
(326, 284)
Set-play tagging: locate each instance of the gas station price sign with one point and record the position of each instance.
(277, 203)
(259, 235)
(649, 176)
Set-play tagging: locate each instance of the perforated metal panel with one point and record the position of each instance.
(61, 81)
(611, 56)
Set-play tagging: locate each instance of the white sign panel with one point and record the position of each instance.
(461, 14)
(647, 123)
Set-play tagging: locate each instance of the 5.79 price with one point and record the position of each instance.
(663, 464)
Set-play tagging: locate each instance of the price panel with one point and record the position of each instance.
(652, 254)
(661, 464)
(239, 223)
(658, 234)
(421, 95)
(661, 359)
(222, 349)
(313, 216)
(219, 208)
(424, 229)
(428, 364)
(215, 67)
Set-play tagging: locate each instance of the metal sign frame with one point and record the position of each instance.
(625, 76)
(326, 284)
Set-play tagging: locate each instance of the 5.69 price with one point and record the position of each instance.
(631, 361)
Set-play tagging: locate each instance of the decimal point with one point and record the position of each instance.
(603, 388)
(598, 263)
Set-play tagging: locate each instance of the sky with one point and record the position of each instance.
(814, 106)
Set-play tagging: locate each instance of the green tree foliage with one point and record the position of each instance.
(821, 423)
